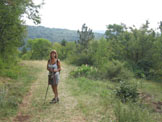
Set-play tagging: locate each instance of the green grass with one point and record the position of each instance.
(152, 88)
(12, 91)
(131, 112)
(95, 98)
(98, 102)
(92, 96)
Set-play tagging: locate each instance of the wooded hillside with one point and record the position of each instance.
(55, 34)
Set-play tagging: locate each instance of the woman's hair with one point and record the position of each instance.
(54, 51)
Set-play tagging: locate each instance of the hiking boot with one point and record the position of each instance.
(54, 100)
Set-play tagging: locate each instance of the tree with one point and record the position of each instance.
(39, 48)
(85, 36)
(63, 42)
(160, 27)
(134, 45)
(114, 31)
(12, 26)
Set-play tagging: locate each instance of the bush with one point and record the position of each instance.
(27, 55)
(85, 71)
(9, 69)
(80, 58)
(115, 71)
(127, 91)
(39, 49)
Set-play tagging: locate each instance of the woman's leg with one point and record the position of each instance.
(54, 90)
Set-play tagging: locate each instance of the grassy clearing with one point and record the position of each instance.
(98, 103)
(13, 90)
(81, 99)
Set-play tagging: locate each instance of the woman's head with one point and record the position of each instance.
(53, 54)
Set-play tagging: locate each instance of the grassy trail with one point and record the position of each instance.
(81, 100)
(32, 108)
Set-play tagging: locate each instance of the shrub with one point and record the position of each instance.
(27, 55)
(127, 91)
(80, 58)
(9, 69)
(85, 71)
(115, 71)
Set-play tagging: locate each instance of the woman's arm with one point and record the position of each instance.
(48, 67)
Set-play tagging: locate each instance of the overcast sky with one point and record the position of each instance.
(71, 14)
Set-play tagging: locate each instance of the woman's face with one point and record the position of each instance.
(53, 55)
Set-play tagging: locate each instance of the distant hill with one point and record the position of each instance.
(100, 31)
(54, 34)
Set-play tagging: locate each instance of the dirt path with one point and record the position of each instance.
(32, 108)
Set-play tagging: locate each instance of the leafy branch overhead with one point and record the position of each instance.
(12, 26)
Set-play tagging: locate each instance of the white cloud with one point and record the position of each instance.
(71, 14)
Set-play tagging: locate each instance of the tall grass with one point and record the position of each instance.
(131, 112)
(12, 91)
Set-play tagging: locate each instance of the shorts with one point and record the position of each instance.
(54, 79)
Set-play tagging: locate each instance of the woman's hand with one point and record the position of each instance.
(55, 70)
(51, 70)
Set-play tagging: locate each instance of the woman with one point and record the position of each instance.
(54, 68)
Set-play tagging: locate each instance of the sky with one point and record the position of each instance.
(97, 14)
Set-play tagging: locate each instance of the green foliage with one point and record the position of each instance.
(156, 72)
(54, 34)
(27, 55)
(12, 27)
(127, 91)
(99, 52)
(9, 69)
(96, 54)
(38, 49)
(80, 58)
(115, 71)
(114, 31)
(84, 71)
(60, 50)
(85, 36)
(139, 48)
(63, 42)
(100, 55)
(136, 47)
(23, 51)
(69, 50)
